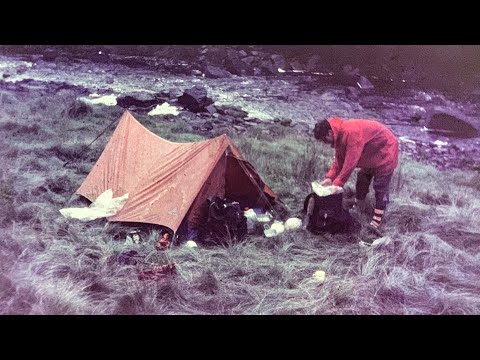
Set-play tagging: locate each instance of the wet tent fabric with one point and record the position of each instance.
(168, 181)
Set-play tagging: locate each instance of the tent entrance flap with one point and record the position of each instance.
(243, 184)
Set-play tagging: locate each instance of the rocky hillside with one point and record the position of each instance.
(273, 88)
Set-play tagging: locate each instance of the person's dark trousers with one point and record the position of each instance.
(381, 186)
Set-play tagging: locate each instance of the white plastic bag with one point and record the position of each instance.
(278, 227)
(105, 205)
(293, 224)
(325, 190)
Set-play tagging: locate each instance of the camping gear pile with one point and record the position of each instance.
(169, 183)
(225, 221)
(258, 222)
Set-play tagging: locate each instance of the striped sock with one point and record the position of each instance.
(377, 218)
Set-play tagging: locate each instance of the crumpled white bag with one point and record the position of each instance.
(278, 227)
(325, 190)
(104, 206)
(293, 224)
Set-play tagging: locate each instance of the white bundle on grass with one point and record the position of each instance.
(321, 190)
(104, 206)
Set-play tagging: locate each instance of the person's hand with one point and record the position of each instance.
(326, 182)
(337, 189)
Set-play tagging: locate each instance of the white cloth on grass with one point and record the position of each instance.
(104, 206)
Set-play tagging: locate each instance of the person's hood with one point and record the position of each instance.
(335, 124)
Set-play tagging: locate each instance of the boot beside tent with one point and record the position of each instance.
(168, 182)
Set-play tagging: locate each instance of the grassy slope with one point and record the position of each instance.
(428, 262)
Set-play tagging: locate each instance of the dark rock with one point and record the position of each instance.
(214, 72)
(195, 99)
(238, 67)
(232, 111)
(451, 122)
(268, 68)
(56, 88)
(140, 99)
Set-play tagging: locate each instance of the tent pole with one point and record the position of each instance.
(88, 146)
(260, 191)
(102, 132)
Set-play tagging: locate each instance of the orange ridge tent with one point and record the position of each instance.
(168, 182)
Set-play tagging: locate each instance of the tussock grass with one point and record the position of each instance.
(14, 130)
(427, 261)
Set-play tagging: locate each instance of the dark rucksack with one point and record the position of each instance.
(226, 221)
(325, 214)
